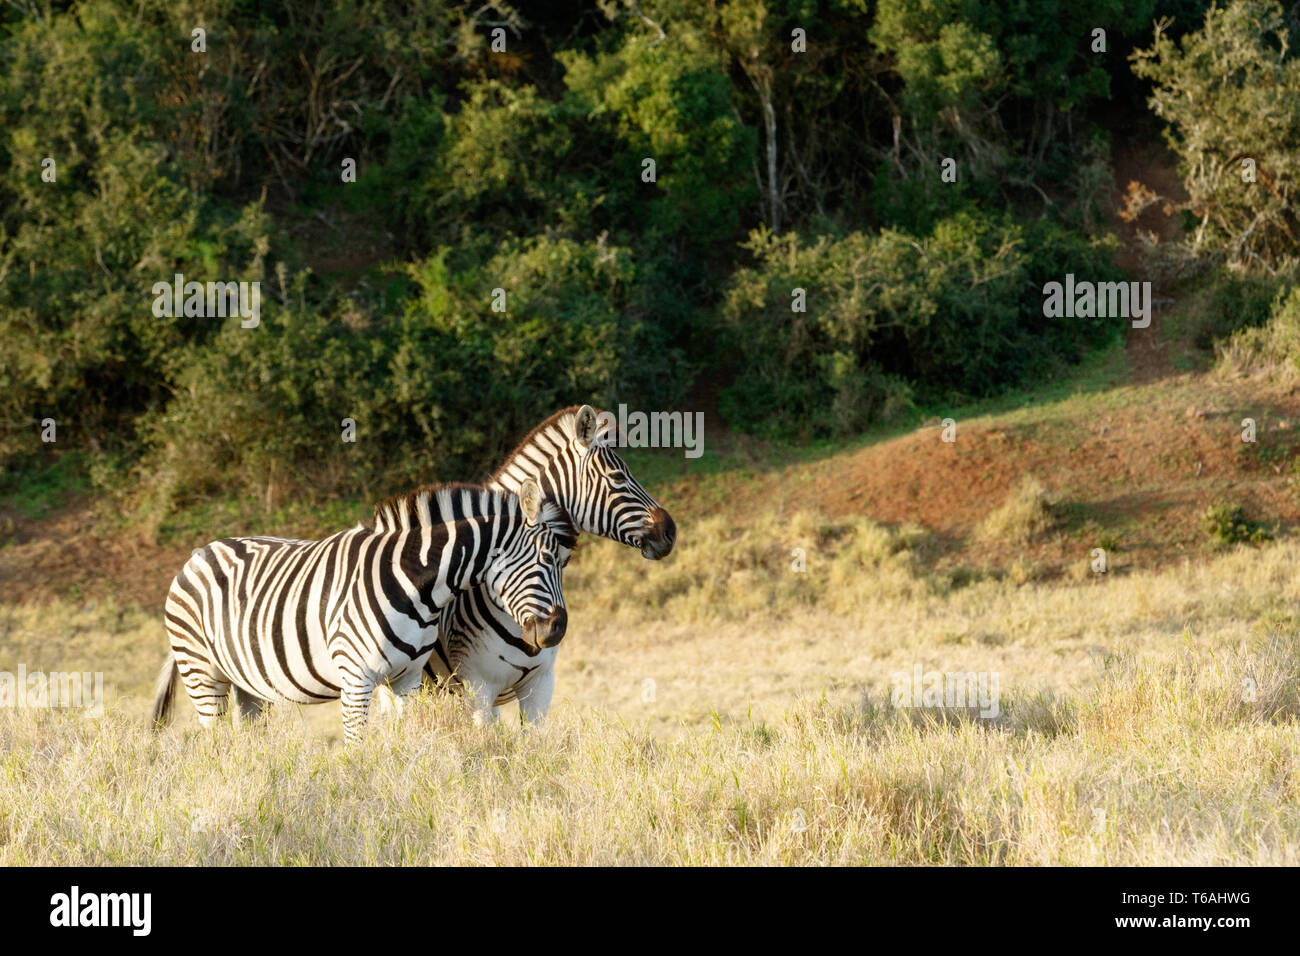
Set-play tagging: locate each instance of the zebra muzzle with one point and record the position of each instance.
(660, 535)
(548, 631)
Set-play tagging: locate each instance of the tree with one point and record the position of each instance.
(1230, 93)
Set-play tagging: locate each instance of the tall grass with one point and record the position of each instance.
(1271, 350)
(1160, 763)
(1024, 514)
(1149, 718)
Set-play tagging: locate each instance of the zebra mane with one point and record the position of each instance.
(445, 503)
(563, 419)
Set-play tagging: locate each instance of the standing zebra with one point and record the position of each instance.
(479, 646)
(309, 621)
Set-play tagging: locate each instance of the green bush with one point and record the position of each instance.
(161, 153)
(1228, 524)
(471, 381)
(510, 163)
(507, 161)
(439, 391)
(257, 409)
(1230, 94)
(671, 102)
(1229, 301)
(78, 256)
(522, 171)
(891, 318)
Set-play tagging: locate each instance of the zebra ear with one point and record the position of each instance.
(530, 499)
(584, 428)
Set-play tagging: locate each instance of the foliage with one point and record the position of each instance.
(1027, 512)
(891, 317)
(1229, 300)
(523, 170)
(439, 392)
(1228, 524)
(997, 85)
(78, 256)
(1230, 94)
(1272, 349)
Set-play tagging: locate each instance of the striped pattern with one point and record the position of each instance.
(480, 648)
(310, 621)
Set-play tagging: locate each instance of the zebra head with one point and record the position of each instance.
(523, 573)
(607, 500)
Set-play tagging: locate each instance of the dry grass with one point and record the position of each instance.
(1023, 515)
(1144, 719)
(1268, 351)
(1160, 764)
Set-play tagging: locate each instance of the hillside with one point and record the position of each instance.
(1131, 463)
(1131, 448)
(720, 708)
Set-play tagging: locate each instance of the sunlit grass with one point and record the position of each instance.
(1143, 719)
(1160, 763)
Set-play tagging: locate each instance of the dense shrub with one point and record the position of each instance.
(891, 317)
(672, 103)
(439, 392)
(521, 170)
(1227, 301)
(79, 255)
(508, 162)
(471, 380)
(160, 154)
(1227, 524)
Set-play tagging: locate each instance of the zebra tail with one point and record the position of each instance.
(165, 692)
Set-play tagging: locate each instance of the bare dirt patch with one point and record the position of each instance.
(63, 555)
(1137, 476)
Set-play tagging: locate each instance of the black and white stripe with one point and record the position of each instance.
(310, 621)
(480, 648)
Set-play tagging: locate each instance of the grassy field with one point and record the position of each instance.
(742, 701)
(1144, 717)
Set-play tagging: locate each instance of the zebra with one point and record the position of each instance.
(310, 621)
(480, 648)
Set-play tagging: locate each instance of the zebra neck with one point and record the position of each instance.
(550, 459)
(440, 560)
(534, 460)
(515, 472)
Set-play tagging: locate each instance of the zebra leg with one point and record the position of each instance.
(392, 694)
(482, 701)
(405, 687)
(356, 707)
(387, 703)
(535, 700)
(207, 693)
